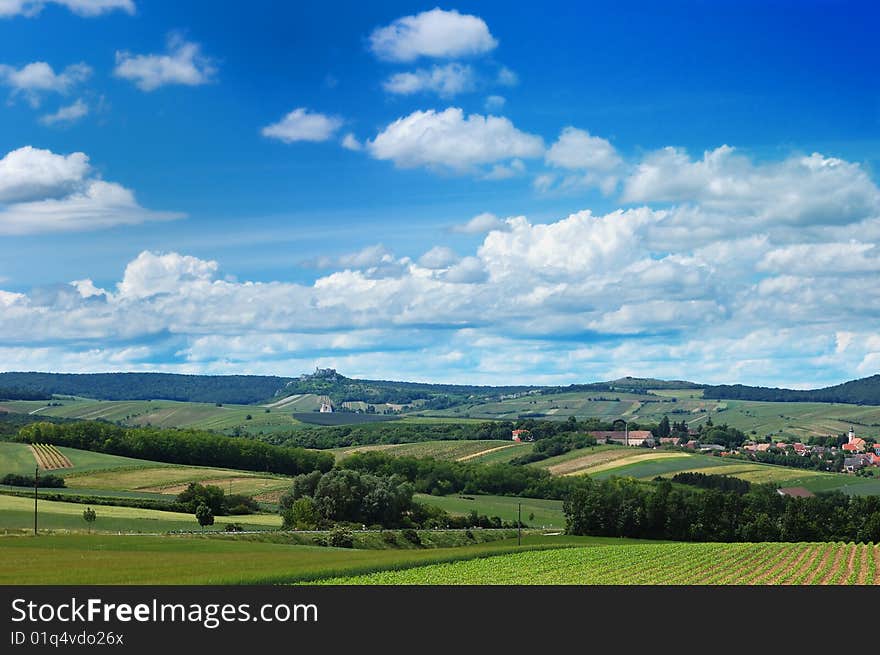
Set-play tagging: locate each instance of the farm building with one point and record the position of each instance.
(521, 435)
(625, 437)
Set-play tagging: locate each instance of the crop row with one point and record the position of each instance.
(648, 564)
(49, 457)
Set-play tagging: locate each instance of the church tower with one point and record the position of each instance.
(851, 435)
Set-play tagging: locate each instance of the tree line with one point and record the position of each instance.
(195, 447)
(621, 507)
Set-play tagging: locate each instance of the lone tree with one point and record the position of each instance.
(89, 517)
(204, 515)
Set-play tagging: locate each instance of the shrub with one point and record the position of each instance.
(412, 536)
(340, 538)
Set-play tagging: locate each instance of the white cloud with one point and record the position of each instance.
(506, 171)
(494, 103)
(88, 8)
(449, 140)
(183, 64)
(446, 81)
(350, 142)
(38, 78)
(41, 191)
(436, 33)
(438, 257)
(480, 224)
(67, 114)
(303, 125)
(676, 292)
(156, 273)
(813, 190)
(507, 77)
(578, 150)
(470, 270)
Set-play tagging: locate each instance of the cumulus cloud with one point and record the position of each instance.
(303, 125)
(438, 257)
(87, 8)
(578, 149)
(41, 191)
(182, 64)
(445, 81)
(593, 295)
(435, 33)
(67, 114)
(36, 79)
(480, 224)
(449, 140)
(800, 190)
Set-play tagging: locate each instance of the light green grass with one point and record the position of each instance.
(640, 564)
(547, 513)
(104, 559)
(173, 479)
(17, 458)
(17, 513)
(448, 450)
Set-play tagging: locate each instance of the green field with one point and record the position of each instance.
(794, 420)
(108, 559)
(640, 564)
(17, 513)
(168, 413)
(547, 513)
(17, 458)
(781, 420)
(650, 464)
(451, 450)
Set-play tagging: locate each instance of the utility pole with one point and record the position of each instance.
(519, 525)
(36, 484)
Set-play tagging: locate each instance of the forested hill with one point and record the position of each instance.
(340, 389)
(243, 389)
(856, 392)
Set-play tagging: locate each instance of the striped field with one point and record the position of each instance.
(655, 564)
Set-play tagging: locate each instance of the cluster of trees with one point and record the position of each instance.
(622, 507)
(345, 496)
(708, 481)
(178, 446)
(441, 478)
(240, 389)
(553, 446)
(709, 433)
(213, 497)
(859, 392)
(394, 433)
(48, 481)
(342, 495)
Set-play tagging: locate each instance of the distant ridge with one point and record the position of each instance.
(865, 391)
(253, 389)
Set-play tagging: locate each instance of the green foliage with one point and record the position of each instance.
(302, 514)
(239, 389)
(340, 538)
(625, 508)
(214, 497)
(720, 482)
(89, 516)
(177, 446)
(43, 481)
(204, 515)
(865, 391)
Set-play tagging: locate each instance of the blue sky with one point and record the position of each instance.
(686, 190)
